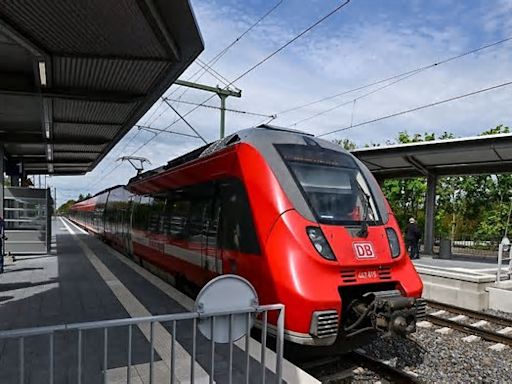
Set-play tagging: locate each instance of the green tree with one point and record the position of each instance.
(495, 204)
(347, 144)
(407, 196)
(465, 205)
(64, 208)
(81, 197)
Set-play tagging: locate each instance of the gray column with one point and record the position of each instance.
(2, 180)
(222, 115)
(15, 181)
(430, 214)
(48, 222)
(2, 195)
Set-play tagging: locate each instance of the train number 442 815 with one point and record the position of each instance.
(367, 275)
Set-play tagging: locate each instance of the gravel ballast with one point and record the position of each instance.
(437, 358)
(505, 315)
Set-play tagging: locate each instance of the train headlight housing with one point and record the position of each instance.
(394, 244)
(320, 243)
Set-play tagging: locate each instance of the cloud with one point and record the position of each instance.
(357, 46)
(497, 18)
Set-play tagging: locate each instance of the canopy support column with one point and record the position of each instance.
(2, 180)
(430, 214)
(2, 217)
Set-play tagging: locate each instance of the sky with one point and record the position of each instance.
(366, 41)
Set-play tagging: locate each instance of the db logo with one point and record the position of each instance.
(364, 250)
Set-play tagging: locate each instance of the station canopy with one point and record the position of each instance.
(467, 156)
(75, 76)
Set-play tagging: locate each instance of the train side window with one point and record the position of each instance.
(156, 215)
(134, 210)
(201, 226)
(237, 231)
(178, 211)
(141, 213)
(195, 221)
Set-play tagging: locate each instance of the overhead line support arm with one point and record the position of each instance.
(219, 91)
(222, 93)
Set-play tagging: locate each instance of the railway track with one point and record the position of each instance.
(470, 313)
(330, 370)
(383, 369)
(503, 336)
(342, 369)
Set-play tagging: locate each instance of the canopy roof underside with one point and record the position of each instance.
(472, 155)
(76, 76)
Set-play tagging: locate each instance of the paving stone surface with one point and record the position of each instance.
(64, 287)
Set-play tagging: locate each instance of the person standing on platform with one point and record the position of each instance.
(412, 239)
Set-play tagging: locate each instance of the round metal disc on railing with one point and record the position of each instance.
(223, 294)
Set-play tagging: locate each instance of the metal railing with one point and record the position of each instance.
(78, 332)
(471, 245)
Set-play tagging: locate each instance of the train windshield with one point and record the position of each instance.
(332, 184)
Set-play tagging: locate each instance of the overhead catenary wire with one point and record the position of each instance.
(268, 57)
(148, 129)
(208, 65)
(216, 107)
(147, 122)
(433, 104)
(222, 52)
(104, 177)
(399, 75)
(352, 100)
(252, 68)
(144, 127)
(127, 143)
(185, 121)
(154, 130)
(213, 72)
(228, 47)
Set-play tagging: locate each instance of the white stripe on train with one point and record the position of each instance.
(207, 262)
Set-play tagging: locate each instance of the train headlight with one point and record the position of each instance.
(318, 240)
(394, 244)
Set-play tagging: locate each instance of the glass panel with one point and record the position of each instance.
(332, 184)
(237, 227)
(25, 214)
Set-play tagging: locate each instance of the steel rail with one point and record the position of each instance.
(471, 313)
(471, 330)
(317, 368)
(344, 376)
(393, 374)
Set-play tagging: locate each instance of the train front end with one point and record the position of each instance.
(338, 259)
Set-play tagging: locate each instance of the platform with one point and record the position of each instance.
(85, 280)
(467, 284)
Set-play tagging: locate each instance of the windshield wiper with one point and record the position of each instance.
(365, 199)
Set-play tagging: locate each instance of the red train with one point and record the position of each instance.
(299, 217)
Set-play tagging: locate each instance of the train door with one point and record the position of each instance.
(128, 226)
(155, 232)
(210, 254)
(124, 226)
(238, 242)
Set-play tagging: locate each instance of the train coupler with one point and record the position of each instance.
(388, 312)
